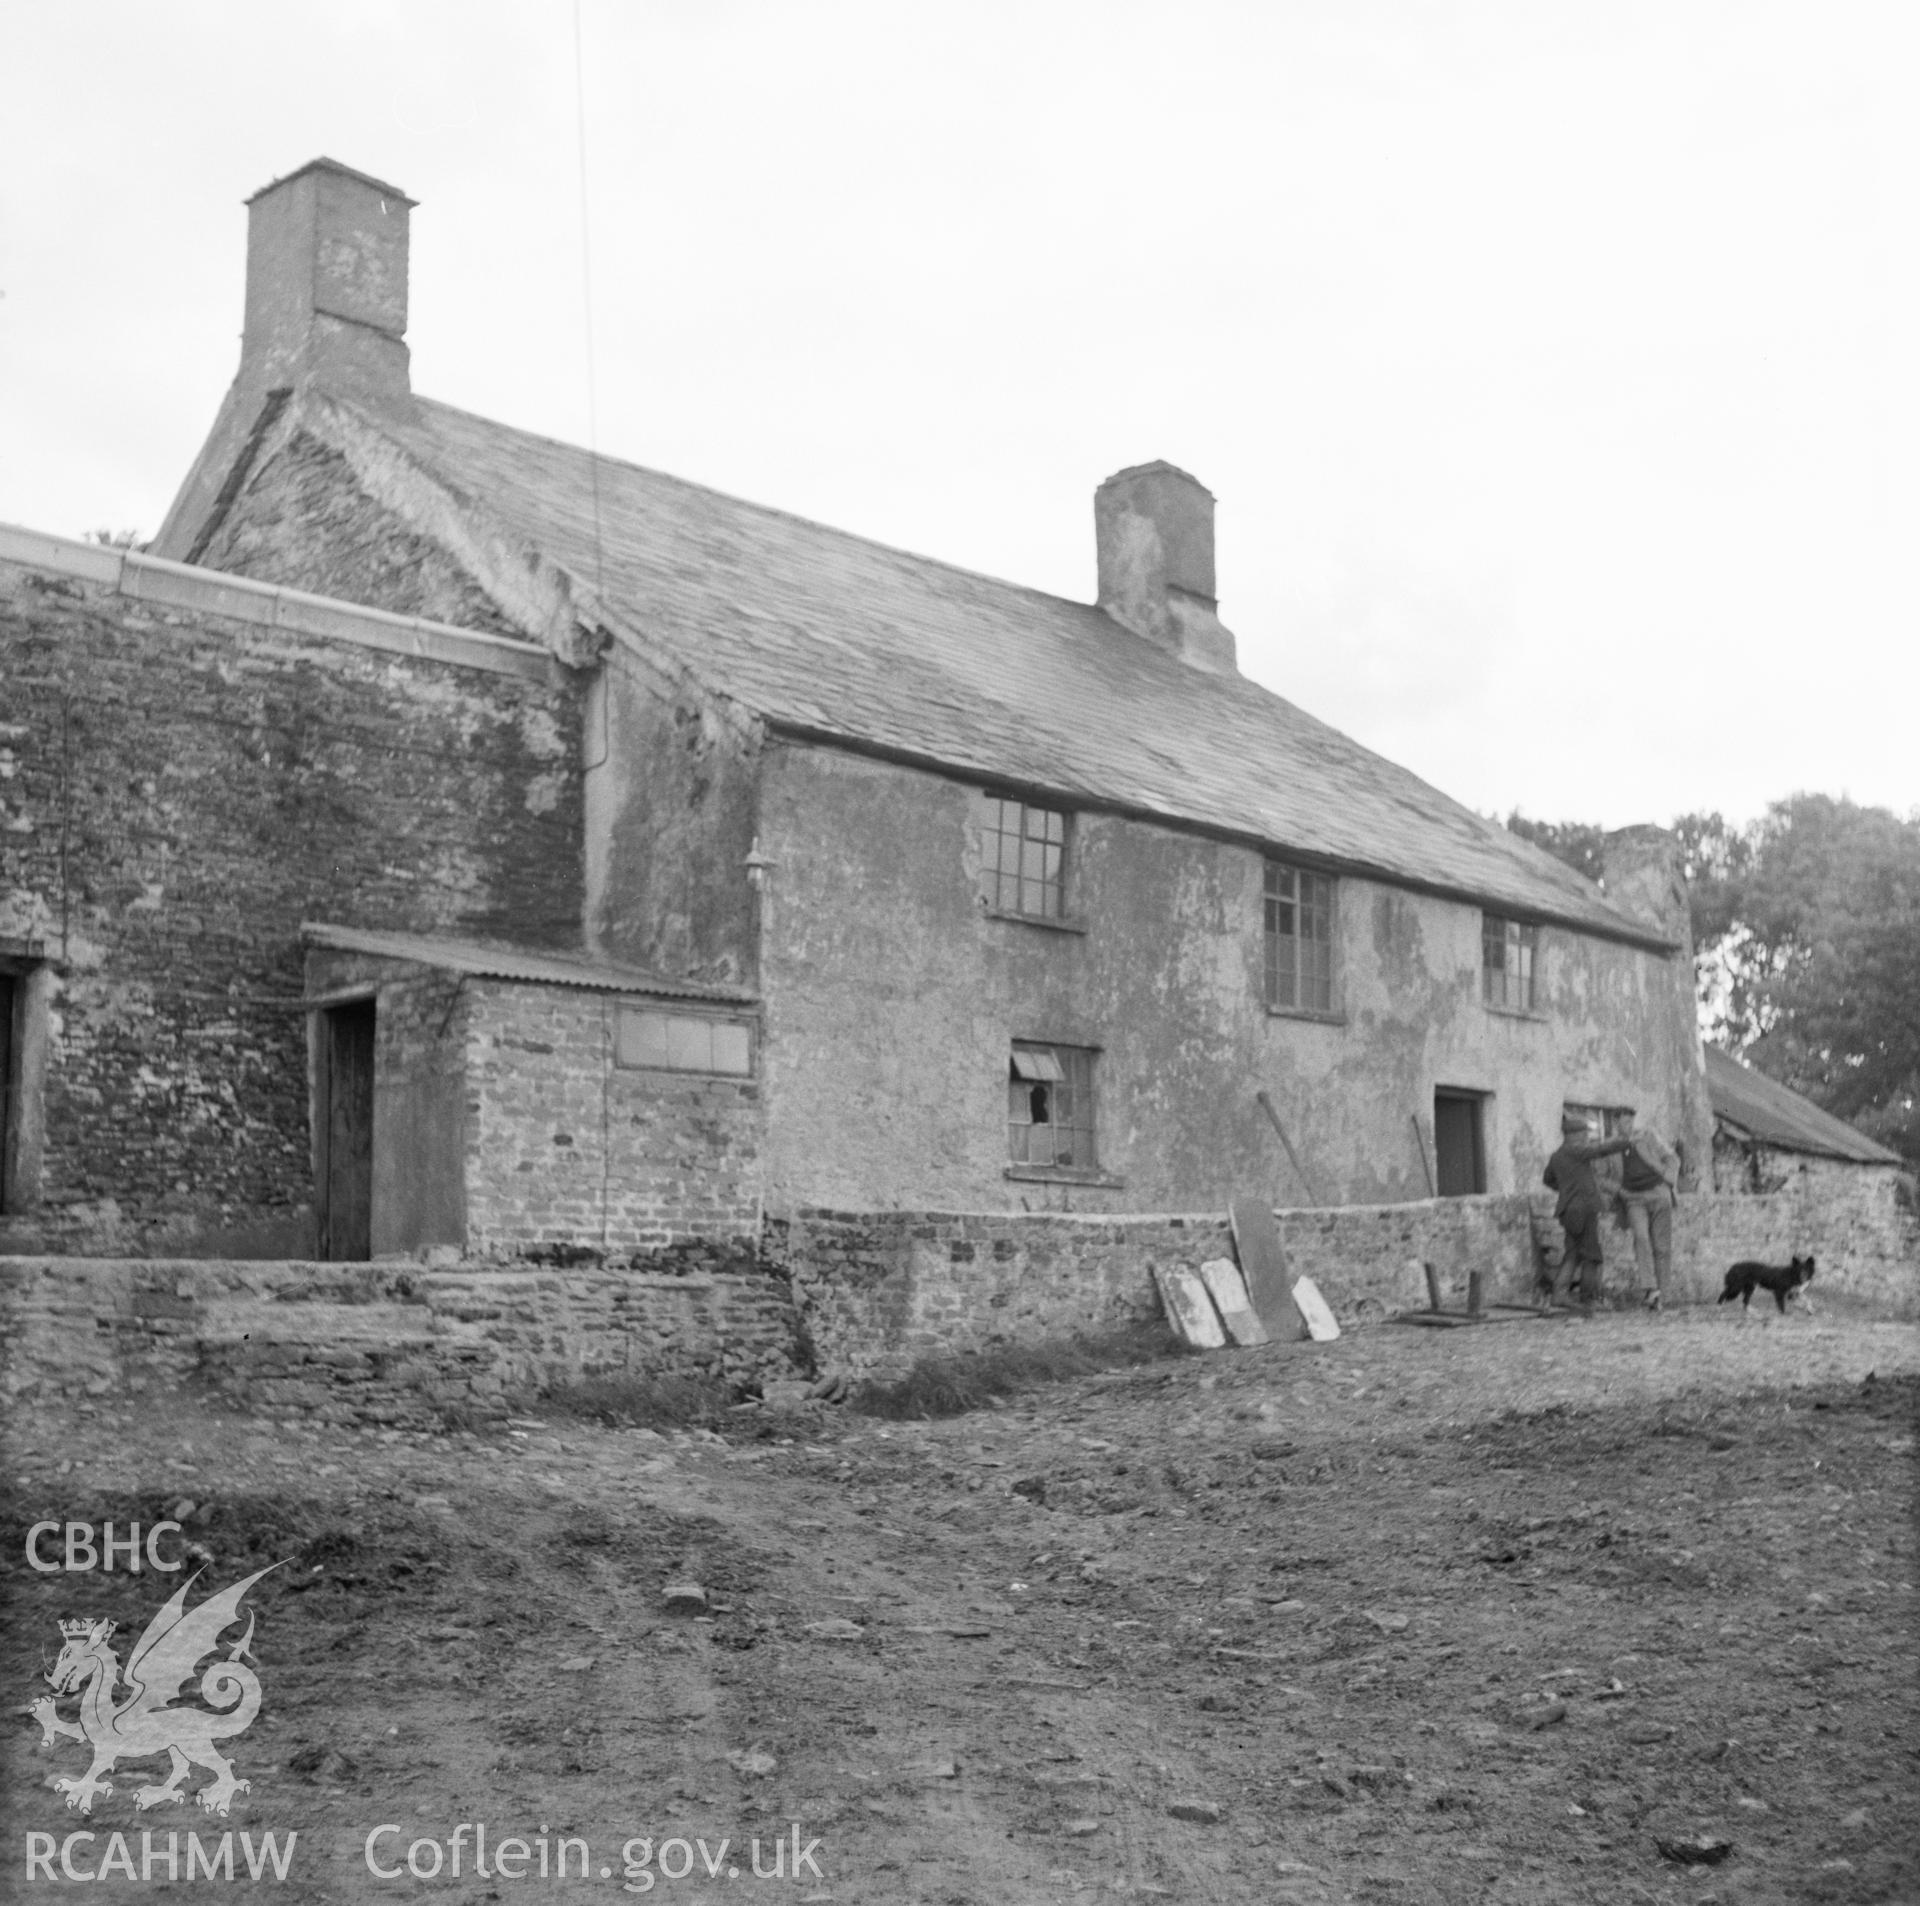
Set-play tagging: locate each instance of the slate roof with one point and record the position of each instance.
(826, 634)
(489, 961)
(1767, 1110)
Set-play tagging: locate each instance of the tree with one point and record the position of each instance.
(1807, 925)
(1574, 842)
(1806, 932)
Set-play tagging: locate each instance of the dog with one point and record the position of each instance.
(1783, 1281)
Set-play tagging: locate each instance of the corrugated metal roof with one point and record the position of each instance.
(822, 632)
(489, 961)
(1765, 1109)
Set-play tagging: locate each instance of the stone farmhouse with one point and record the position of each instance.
(447, 841)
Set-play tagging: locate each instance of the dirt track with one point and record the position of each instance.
(1461, 1616)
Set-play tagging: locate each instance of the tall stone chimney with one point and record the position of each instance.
(1645, 878)
(1153, 529)
(327, 284)
(326, 309)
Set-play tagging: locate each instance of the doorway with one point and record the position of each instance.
(1459, 1146)
(343, 1116)
(9, 993)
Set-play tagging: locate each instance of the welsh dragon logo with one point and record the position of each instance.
(145, 1723)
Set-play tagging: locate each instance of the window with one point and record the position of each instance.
(1050, 1107)
(1299, 923)
(1603, 1121)
(684, 1042)
(1023, 852)
(1508, 950)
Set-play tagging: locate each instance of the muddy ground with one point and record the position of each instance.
(1473, 1615)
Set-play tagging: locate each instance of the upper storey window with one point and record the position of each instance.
(1299, 927)
(1509, 957)
(1023, 857)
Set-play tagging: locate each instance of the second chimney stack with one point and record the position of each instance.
(1153, 528)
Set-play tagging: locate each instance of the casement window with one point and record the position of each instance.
(1509, 956)
(1050, 1107)
(1299, 932)
(1023, 857)
(684, 1042)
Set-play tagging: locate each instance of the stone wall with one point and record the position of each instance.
(383, 1342)
(568, 1146)
(184, 777)
(1858, 1222)
(878, 1290)
(860, 1294)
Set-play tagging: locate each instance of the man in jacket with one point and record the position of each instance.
(1579, 1201)
(1650, 1176)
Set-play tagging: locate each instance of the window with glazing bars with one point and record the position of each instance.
(1507, 955)
(683, 1042)
(1023, 856)
(1299, 909)
(1050, 1106)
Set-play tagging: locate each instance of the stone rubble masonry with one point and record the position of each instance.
(567, 1145)
(853, 1293)
(386, 1342)
(188, 769)
(879, 1290)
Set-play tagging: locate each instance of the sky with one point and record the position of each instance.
(1553, 363)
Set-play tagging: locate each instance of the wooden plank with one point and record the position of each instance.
(1315, 1309)
(1273, 1117)
(1228, 1290)
(1263, 1264)
(1189, 1308)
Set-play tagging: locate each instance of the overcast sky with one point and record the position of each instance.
(1553, 362)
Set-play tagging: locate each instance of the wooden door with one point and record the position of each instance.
(1459, 1157)
(346, 1131)
(9, 997)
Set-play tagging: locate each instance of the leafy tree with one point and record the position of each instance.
(1815, 925)
(1578, 844)
(1806, 930)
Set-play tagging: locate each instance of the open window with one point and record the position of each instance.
(1050, 1107)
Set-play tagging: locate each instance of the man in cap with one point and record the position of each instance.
(1650, 1175)
(1579, 1201)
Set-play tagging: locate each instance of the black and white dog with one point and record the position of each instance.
(1783, 1280)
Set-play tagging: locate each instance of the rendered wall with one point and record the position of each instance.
(892, 998)
(179, 789)
(670, 824)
